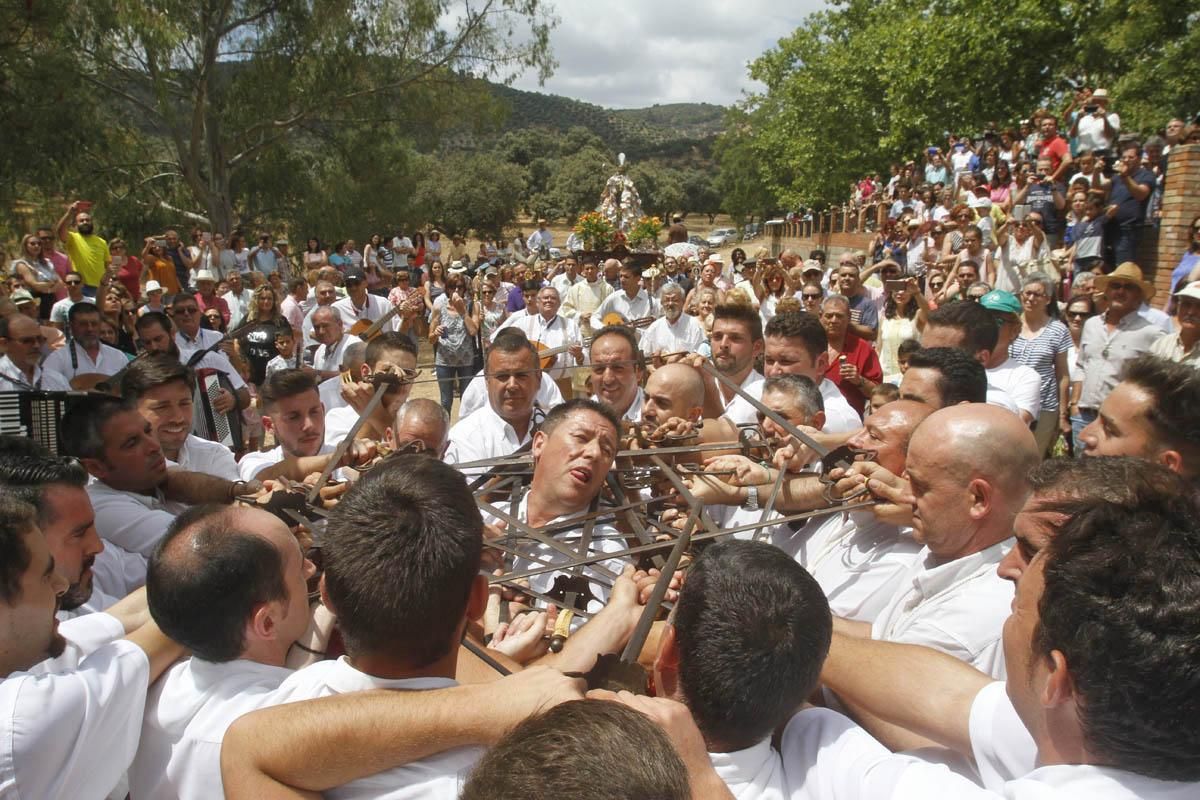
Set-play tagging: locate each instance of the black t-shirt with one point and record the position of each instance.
(258, 346)
(1130, 210)
(1040, 198)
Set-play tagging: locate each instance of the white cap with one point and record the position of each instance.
(153, 286)
(1192, 290)
(715, 258)
(205, 275)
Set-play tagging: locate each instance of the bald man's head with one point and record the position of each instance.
(673, 390)
(420, 420)
(969, 468)
(888, 432)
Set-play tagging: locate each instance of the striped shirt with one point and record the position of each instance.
(1039, 353)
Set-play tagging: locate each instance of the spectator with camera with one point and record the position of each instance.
(1131, 189)
(1093, 126)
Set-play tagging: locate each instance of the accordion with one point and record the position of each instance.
(213, 425)
(36, 415)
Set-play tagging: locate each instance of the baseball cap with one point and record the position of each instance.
(355, 274)
(1000, 300)
(1192, 290)
(21, 296)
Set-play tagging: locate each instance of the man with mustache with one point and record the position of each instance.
(674, 332)
(156, 333)
(84, 353)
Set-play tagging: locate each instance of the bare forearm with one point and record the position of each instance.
(804, 493)
(196, 487)
(918, 689)
(161, 651)
(607, 632)
(319, 744)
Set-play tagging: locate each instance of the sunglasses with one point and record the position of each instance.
(1120, 286)
(1078, 314)
(186, 310)
(73, 283)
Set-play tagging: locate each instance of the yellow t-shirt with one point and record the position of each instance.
(89, 256)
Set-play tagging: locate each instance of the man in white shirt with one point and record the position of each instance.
(238, 299)
(505, 423)
(230, 585)
(329, 332)
(674, 332)
(631, 304)
(19, 367)
(617, 371)
(969, 327)
(568, 277)
(324, 294)
(359, 304)
(58, 313)
(858, 558)
(540, 240)
(294, 413)
(673, 391)
(389, 353)
(552, 331)
(967, 474)
(796, 344)
(944, 376)
(85, 354)
(737, 342)
(162, 390)
(402, 248)
(154, 331)
(582, 299)
(1020, 382)
(421, 424)
(70, 729)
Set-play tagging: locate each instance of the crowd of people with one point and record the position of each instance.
(248, 525)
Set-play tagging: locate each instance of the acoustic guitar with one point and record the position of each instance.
(617, 318)
(549, 355)
(367, 330)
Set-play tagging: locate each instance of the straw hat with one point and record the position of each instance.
(1128, 271)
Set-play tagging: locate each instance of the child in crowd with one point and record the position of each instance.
(1087, 235)
(285, 346)
(883, 394)
(154, 298)
(903, 352)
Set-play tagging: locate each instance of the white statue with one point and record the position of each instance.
(620, 203)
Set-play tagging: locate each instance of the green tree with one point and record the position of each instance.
(574, 186)
(740, 184)
(660, 187)
(470, 191)
(231, 83)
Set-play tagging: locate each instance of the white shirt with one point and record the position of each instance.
(483, 434)
(537, 554)
(557, 332)
(204, 338)
(685, 335)
(634, 412)
(562, 282)
(539, 238)
(632, 310)
(84, 635)
(737, 410)
(133, 522)
(755, 773)
(374, 308)
(1089, 133)
(330, 392)
(117, 572)
(109, 361)
(338, 424)
(1013, 256)
(958, 607)
(747, 288)
(840, 416)
(239, 306)
(779, 534)
(437, 777)
(859, 562)
(188, 711)
(214, 359)
(475, 396)
(211, 458)
(92, 608)
(12, 379)
(254, 463)
(1021, 383)
(996, 396)
(400, 260)
(329, 359)
(72, 734)
(60, 310)
(583, 298)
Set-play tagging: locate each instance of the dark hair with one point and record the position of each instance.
(150, 371)
(284, 384)
(401, 553)
(153, 318)
(1120, 601)
(308, 249)
(83, 424)
(745, 667)
(563, 410)
(388, 340)
(962, 379)
(803, 326)
(891, 311)
(888, 391)
(82, 307)
(16, 520)
(1174, 407)
(1120, 479)
(295, 283)
(744, 313)
(26, 472)
(907, 347)
(205, 577)
(626, 333)
(584, 750)
(978, 327)
(513, 340)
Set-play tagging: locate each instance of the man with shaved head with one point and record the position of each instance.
(967, 469)
(673, 391)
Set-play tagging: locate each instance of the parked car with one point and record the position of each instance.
(751, 231)
(697, 240)
(721, 237)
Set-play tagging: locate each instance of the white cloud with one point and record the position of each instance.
(635, 53)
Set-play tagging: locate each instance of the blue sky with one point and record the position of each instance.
(633, 53)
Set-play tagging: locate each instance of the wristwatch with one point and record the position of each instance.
(751, 503)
